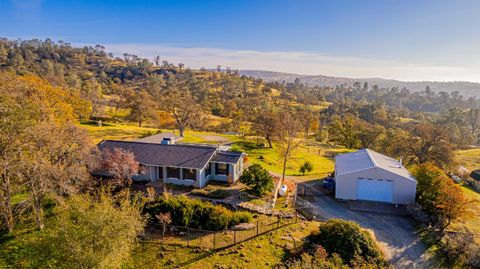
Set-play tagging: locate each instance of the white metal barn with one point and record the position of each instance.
(370, 176)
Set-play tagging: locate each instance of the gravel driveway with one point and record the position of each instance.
(396, 234)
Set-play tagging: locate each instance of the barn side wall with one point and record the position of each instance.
(403, 189)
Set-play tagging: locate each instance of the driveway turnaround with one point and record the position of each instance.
(396, 234)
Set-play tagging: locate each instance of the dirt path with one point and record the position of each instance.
(396, 234)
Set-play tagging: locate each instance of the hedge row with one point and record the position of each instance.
(195, 213)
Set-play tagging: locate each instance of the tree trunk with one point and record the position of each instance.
(140, 122)
(279, 185)
(6, 203)
(181, 129)
(269, 141)
(37, 208)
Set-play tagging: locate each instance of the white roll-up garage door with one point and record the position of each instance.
(375, 190)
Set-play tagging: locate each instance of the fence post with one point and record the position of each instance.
(234, 237)
(188, 236)
(214, 239)
(257, 227)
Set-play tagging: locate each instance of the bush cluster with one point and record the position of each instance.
(349, 241)
(195, 213)
(257, 179)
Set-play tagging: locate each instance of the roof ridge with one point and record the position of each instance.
(371, 157)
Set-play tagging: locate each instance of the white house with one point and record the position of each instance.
(181, 164)
(370, 176)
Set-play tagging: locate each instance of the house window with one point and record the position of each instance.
(221, 169)
(173, 172)
(189, 174)
(208, 169)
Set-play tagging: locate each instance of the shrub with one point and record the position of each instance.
(348, 240)
(212, 192)
(307, 166)
(195, 213)
(258, 179)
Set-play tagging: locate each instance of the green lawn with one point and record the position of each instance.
(316, 153)
(131, 132)
(115, 131)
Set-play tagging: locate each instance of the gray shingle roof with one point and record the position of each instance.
(179, 155)
(366, 159)
(227, 157)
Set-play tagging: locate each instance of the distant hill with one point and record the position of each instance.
(466, 89)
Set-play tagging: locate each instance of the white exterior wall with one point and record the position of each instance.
(404, 189)
(235, 170)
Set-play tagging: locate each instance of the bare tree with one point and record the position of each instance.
(164, 219)
(289, 128)
(56, 160)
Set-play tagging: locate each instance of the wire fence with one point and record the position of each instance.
(213, 240)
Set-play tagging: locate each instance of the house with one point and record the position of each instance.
(370, 176)
(181, 164)
(161, 138)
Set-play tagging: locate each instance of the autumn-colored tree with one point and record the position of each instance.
(55, 161)
(345, 131)
(453, 205)
(440, 197)
(39, 149)
(265, 125)
(183, 107)
(120, 164)
(141, 107)
(428, 142)
(369, 133)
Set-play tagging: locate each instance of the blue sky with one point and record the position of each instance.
(407, 40)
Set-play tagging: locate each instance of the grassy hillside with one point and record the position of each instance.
(265, 251)
(469, 158)
(318, 154)
(473, 223)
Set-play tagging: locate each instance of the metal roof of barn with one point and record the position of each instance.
(366, 159)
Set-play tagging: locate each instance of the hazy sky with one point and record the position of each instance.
(406, 40)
